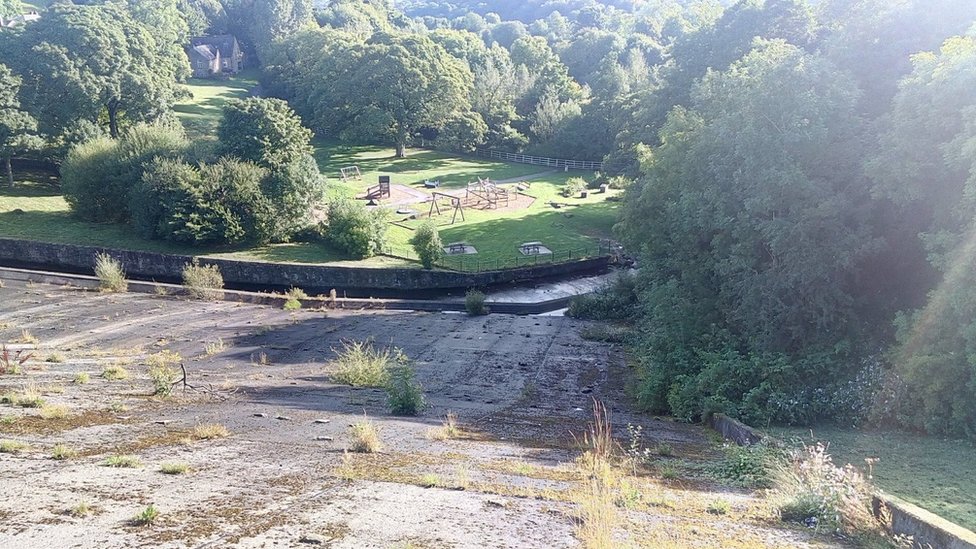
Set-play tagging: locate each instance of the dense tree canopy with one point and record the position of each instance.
(93, 63)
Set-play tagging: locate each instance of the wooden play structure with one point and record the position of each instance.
(486, 191)
(350, 173)
(455, 205)
(382, 190)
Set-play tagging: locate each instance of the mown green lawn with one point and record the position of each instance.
(933, 473)
(201, 112)
(34, 209)
(574, 229)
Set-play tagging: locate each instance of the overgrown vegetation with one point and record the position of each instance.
(111, 275)
(474, 303)
(404, 394)
(361, 364)
(203, 281)
(162, 372)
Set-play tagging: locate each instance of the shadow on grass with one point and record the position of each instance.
(32, 183)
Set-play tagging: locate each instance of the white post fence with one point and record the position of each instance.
(542, 160)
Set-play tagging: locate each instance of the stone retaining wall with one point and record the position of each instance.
(259, 275)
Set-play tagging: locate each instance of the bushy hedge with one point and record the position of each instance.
(355, 230)
(97, 176)
(427, 243)
(220, 203)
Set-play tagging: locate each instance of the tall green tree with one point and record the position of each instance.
(395, 85)
(926, 165)
(751, 228)
(17, 127)
(268, 133)
(95, 63)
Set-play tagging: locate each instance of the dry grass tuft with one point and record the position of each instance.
(174, 468)
(54, 411)
(27, 338)
(365, 437)
(62, 451)
(209, 431)
(203, 281)
(597, 510)
(448, 430)
(115, 372)
(13, 446)
(123, 462)
(111, 276)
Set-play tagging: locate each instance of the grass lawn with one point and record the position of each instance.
(932, 473)
(201, 113)
(572, 229)
(34, 209)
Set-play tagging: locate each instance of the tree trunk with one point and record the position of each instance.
(401, 149)
(10, 172)
(113, 120)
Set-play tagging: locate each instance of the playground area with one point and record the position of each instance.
(488, 212)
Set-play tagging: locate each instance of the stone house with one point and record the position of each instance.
(211, 55)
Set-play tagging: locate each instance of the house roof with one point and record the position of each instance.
(206, 52)
(224, 43)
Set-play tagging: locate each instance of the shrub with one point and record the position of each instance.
(574, 187)
(811, 489)
(352, 228)
(359, 364)
(203, 281)
(427, 244)
(111, 276)
(82, 378)
(616, 301)
(365, 437)
(404, 394)
(96, 176)
(474, 303)
(81, 509)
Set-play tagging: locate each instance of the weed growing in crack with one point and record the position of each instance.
(359, 364)
(210, 431)
(448, 430)
(174, 468)
(115, 372)
(111, 276)
(81, 509)
(54, 411)
(122, 461)
(62, 451)
(365, 437)
(404, 394)
(13, 447)
(147, 517)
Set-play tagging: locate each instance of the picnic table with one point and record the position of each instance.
(457, 247)
(530, 248)
(428, 184)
